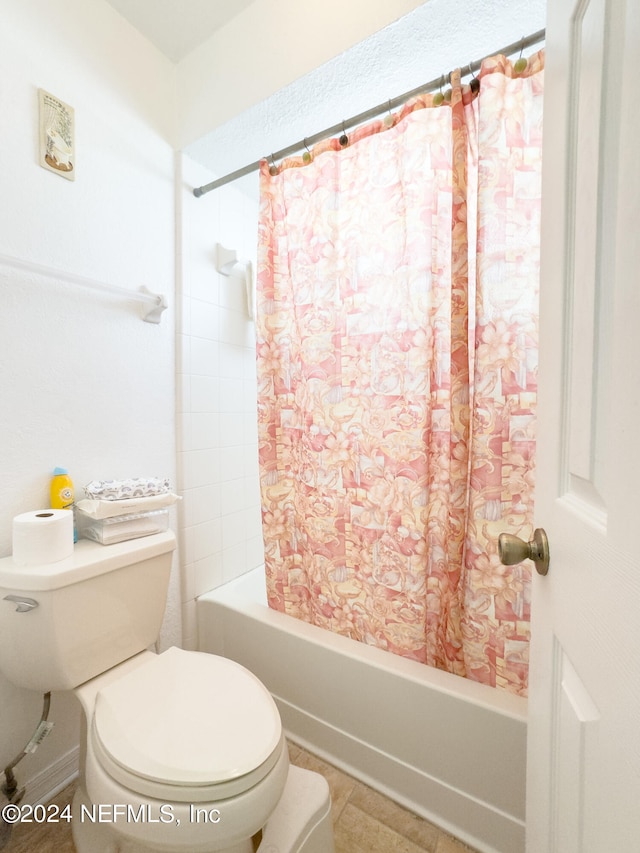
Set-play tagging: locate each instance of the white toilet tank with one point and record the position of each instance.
(64, 623)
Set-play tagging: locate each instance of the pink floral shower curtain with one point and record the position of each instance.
(397, 352)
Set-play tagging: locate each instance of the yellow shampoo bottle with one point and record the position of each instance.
(62, 493)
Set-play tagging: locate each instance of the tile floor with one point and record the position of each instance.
(366, 822)
(363, 820)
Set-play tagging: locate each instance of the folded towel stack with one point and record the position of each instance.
(117, 510)
(117, 490)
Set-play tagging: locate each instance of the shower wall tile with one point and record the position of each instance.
(205, 430)
(233, 532)
(186, 545)
(255, 550)
(205, 285)
(188, 581)
(183, 353)
(250, 460)
(232, 361)
(183, 313)
(201, 468)
(250, 435)
(232, 214)
(253, 521)
(250, 371)
(205, 393)
(206, 539)
(201, 504)
(231, 395)
(231, 428)
(219, 516)
(189, 625)
(232, 293)
(249, 395)
(251, 490)
(204, 320)
(234, 495)
(234, 562)
(183, 430)
(205, 355)
(183, 393)
(232, 463)
(208, 573)
(236, 328)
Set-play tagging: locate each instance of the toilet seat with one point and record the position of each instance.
(187, 726)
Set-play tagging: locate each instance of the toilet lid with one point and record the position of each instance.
(187, 718)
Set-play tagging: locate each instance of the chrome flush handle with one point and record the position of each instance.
(24, 605)
(512, 550)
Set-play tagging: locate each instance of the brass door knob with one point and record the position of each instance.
(512, 550)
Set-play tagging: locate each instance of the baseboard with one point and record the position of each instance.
(45, 785)
(472, 821)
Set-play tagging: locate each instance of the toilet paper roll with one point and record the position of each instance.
(42, 536)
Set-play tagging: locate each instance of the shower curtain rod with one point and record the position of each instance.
(392, 103)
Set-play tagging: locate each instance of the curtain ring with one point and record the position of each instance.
(449, 92)
(474, 83)
(344, 139)
(306, 156)
(273, 168)
(521, 62)
(388, 119)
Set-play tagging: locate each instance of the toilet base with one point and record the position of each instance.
(300, 823)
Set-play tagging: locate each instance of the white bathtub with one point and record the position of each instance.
(451, 750)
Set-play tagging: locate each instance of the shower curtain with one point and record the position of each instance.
(397, 352)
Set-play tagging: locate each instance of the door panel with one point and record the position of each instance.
(583, 777)
(584, 261)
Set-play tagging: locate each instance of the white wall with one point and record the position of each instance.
(84, 382)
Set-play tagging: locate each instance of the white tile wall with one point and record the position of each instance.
(220, 524)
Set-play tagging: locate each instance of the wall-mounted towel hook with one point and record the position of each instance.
(225, 259)
(227, 263)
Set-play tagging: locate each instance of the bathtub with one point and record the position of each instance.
(450, 750)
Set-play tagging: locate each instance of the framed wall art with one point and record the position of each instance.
(57, 136)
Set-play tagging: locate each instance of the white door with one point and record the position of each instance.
(583, 785)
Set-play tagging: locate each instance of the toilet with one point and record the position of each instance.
(180, 751)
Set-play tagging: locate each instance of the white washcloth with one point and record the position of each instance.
(126, 506)
(117, 490)
(111, 530)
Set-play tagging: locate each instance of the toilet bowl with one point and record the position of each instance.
(188, 745)
(180, 751)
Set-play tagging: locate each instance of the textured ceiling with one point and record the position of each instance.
(437, 36)
(176, 27)
(430, 41)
